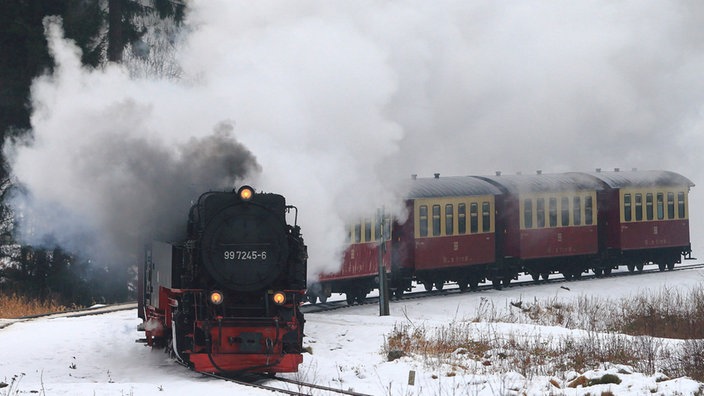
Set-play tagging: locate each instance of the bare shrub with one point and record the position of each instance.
(668, 313)
(443, 341)
(687, 360)
(632, 332)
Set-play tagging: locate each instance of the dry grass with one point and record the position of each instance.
(14, 306)
(660, 332)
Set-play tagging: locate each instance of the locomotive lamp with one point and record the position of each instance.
(216, 298)
(279, 298)
(245, 193)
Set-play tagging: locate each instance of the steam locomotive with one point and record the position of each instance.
(226, 300)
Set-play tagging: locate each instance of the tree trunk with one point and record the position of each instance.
(115, 36)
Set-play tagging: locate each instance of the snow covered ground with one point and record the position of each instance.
(97, 355)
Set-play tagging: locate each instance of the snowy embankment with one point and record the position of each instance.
(97, 355)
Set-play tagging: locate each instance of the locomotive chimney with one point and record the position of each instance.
(437, 175)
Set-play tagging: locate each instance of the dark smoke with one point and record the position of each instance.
(135, 190)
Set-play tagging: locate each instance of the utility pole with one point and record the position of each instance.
(383, 281)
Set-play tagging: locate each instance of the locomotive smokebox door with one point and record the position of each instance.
(244, 247)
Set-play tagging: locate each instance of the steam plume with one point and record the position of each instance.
(340, 100)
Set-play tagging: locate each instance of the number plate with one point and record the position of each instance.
(243, 255)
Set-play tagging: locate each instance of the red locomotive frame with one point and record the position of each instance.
(234, 348)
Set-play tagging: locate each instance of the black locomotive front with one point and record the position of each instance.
(244, 243)
(231, 302)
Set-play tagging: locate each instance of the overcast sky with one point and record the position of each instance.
(331, 103)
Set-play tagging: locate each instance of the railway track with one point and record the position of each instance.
(285, 385)
(97, 310)
(557, 279)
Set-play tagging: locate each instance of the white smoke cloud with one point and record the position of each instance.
(340, 100)
(102, 174)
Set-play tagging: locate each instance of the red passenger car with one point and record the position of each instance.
(644, 217)
(359, 271)
(451, 225)
(547, 223)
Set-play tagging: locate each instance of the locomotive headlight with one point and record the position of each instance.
(279, 298)
(245, 193)
(216, 298)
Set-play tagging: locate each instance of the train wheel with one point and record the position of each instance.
(439, 285)
(607, 271)
(577, 275)
(350, 298)
(631, 267)
(496, 283)
(598, 272)
(535, 276)
(462, 285)
(545, 275)
(506, 281)
(360, 298)
(567, 276)
(398, 293)
(323, 298)
(312, 298)
(670, 266)
(473, 284)
(639, 267)
(428, 285)
(661, 266)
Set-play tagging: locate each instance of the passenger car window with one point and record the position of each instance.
(661, 206)
(473, 218)
(627, 207)
(423, 220)
(639, 207)
(540, 212)
(449, 219)
(461, 218)
(528, 213)
(486, 216)
(649, 206)
(436, 220)
(552, 205)
(588, 211)
(565, 211)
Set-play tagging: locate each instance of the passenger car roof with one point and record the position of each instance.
(450, 186)
(551, 182)
(641, 178)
